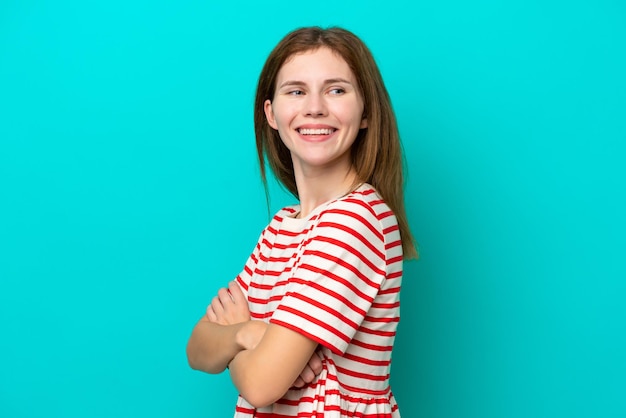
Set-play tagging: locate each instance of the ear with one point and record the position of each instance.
(269, 114)
(363, 123)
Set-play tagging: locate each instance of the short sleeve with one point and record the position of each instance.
(340, 271)
(243, 278)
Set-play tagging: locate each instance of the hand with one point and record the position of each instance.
(250, 334)
(310, 371)
(229, 307)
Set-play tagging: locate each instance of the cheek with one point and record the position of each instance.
(351, 113)
(283, 117)
(283, 125)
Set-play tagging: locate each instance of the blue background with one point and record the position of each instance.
(129, 194)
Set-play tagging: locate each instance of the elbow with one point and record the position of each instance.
(259, 385)
(258, 390)
(198, 360)
(260, 397)
(258, 404)
(193, 363)
(192, 357)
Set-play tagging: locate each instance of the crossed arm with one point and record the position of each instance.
(265, 360)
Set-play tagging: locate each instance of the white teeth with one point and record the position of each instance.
(324, 131)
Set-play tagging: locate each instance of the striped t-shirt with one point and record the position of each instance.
(334, 277)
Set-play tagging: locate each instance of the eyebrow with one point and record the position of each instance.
(302, 83)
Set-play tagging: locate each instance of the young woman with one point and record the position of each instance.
(308, 326)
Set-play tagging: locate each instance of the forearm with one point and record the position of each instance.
(243, 373)
(212, 346)
(264, 374)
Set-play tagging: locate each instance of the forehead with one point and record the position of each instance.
(320, 63)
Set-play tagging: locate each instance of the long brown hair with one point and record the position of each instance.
(376, 152)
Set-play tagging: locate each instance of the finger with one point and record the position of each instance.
(307, 374)
(216, 305)
(236, 293)
(224, 296)
(315, 363)
(210, 314)
(299, 382)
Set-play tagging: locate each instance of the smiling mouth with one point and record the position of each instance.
(321, 131)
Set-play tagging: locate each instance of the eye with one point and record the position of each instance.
(337, 91)
(295, 92)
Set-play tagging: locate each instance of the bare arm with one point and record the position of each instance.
(223, 332)
(227, 331)
(264, 374)
(313, 368)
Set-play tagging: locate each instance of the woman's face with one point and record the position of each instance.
(317, 110)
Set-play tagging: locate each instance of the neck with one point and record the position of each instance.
(317, 187)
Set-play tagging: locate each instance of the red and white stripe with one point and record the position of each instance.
(334, 277)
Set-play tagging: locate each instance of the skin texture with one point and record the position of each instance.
(232, 308)
(316, 91)
(261, 356)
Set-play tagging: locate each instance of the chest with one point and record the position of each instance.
(278, 258)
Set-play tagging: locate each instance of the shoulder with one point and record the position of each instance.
(362, 214)
(364, 204)
(279, 217)
(286, 212)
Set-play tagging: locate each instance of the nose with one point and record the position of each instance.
(315, 105)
